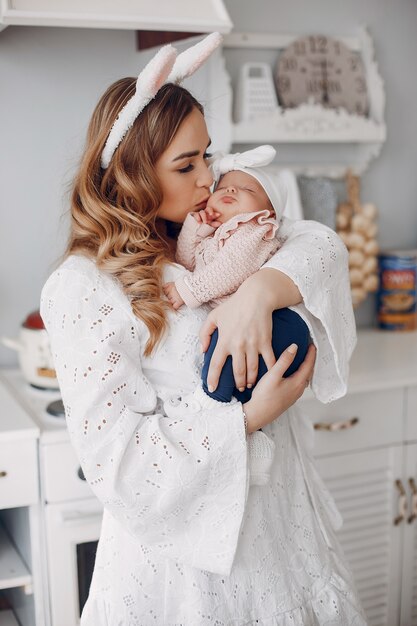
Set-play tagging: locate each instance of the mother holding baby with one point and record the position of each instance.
(213, 510)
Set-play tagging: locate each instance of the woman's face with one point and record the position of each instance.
(182, 170)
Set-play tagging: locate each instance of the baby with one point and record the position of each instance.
(221, 246)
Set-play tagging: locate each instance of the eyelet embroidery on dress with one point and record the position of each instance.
(87, 372)
(106, 374)
(119, 388)
(98, 321)
(106, 309)
(113, 358)
(106, 338)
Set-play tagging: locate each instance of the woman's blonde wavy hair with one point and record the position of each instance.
(114, 211)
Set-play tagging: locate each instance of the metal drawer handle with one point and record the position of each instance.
(402, 503)
(3, 474)
(341, 425)
(413, 486)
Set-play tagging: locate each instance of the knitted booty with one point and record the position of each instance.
(261, 454)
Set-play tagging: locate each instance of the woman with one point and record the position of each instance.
(184, 540)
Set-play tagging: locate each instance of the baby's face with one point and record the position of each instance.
(238, 192)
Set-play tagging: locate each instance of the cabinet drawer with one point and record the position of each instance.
(61, 474)
(411, 415)
(379, 421)
(18, 473)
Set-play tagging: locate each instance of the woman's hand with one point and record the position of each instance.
(274, 394)
(245, 326)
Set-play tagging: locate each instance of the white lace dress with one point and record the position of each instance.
(184, 540)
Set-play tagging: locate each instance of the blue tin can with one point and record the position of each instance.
(397, 294)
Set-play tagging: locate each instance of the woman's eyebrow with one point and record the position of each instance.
(185, 155)
(188, 155)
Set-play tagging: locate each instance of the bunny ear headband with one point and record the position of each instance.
(251, 163)
(164, 67)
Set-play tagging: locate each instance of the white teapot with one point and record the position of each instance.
(35, 357)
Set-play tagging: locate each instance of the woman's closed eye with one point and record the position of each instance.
(187, 168)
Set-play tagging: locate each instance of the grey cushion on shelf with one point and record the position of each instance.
(319, 200)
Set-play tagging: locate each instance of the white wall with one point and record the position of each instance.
(51, 78)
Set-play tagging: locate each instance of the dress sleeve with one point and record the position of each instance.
(316, 259)
(179, 485)
(242, 254)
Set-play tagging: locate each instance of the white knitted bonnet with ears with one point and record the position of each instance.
(164, 67)
(251, 162)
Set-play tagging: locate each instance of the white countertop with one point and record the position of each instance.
(15, 422)
(382, 359)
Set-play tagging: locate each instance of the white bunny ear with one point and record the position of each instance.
(156, 72)
(149, 82)
(190, 60)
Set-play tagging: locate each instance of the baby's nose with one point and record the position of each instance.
(230, 189)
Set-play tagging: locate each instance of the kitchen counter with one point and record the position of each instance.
(382, 360)
(15, 423)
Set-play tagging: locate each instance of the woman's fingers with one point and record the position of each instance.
(305, 371)
(217, 361)
(239, 369)
(285, 360)
(206, 331)
(252, 364)
(268, 356)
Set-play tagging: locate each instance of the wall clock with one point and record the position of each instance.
(323, 70)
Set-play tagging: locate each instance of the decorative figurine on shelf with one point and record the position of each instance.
(357, 227)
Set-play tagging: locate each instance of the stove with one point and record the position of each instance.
(35, 402)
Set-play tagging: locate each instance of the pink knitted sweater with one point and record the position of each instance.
(218, 260)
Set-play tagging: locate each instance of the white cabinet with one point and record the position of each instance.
(19, 490)
(125, 14)
(363, 487)
(357, 421)
(366, 451)
(409, 570)
(18, 473)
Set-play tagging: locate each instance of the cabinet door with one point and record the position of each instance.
(409, 572)
(363, 485)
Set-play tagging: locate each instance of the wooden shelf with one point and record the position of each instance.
(344, 140)
(309, 123)
(13, 572)
(7, 618)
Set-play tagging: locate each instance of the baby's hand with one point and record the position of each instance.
(196, 215)
(173, 296)
(209, 216)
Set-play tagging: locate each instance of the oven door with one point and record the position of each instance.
(72, 531)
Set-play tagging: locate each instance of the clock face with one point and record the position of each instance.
(323, 70)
